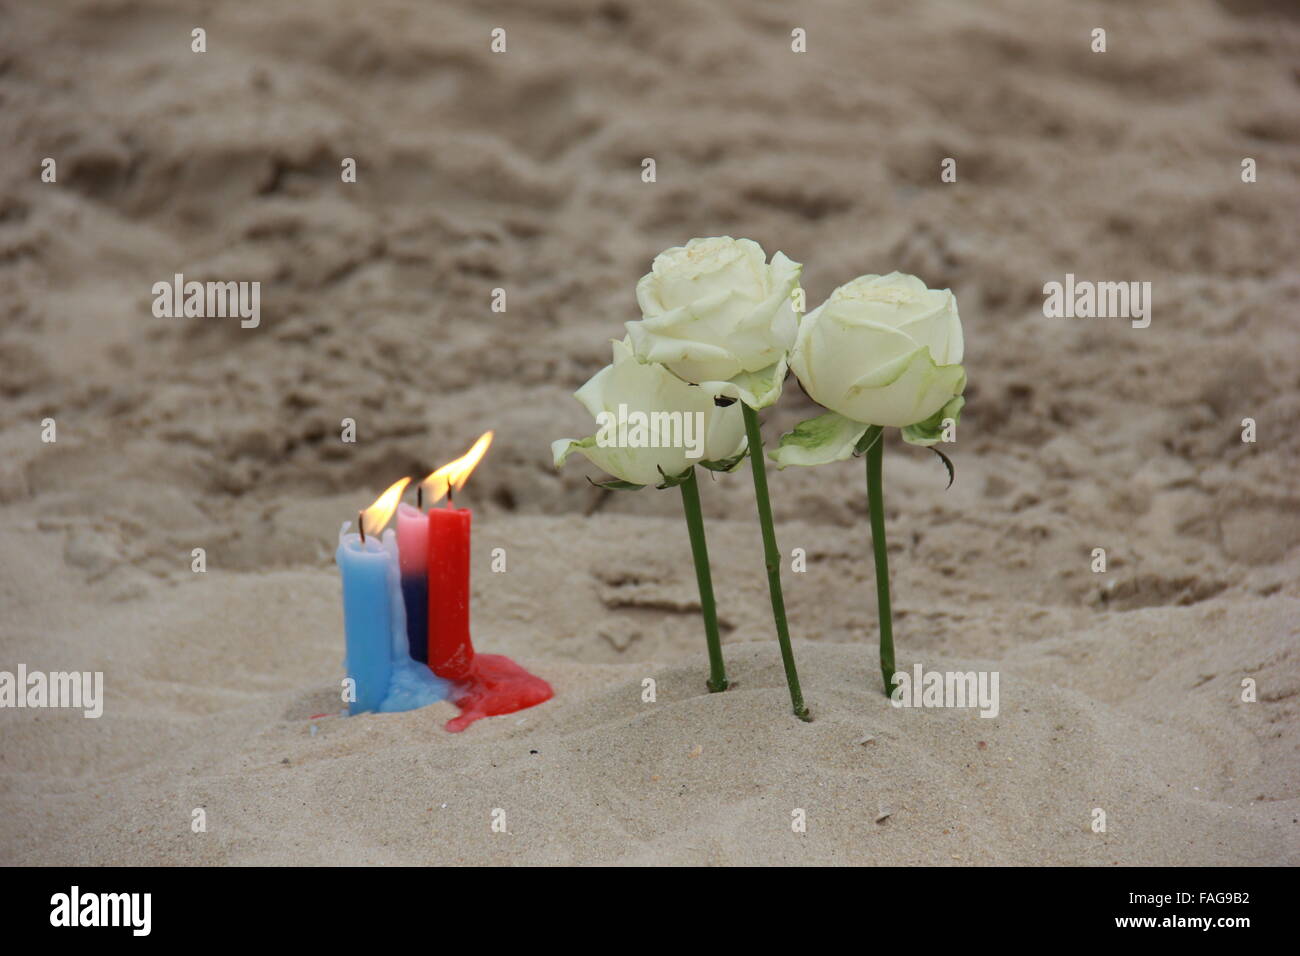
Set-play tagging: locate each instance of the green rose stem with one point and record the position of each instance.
(700, 551)
(773, 559)
(875, 441)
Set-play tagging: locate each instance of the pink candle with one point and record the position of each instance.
(413, 561)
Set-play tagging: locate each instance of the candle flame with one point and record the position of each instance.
(372, 520)
(453, 475)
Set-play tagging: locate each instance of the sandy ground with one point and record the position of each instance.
(1119, 691)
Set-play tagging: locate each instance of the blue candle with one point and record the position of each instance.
(367, 617)
(378, 656)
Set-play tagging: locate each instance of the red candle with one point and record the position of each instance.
(485, 685)
(451, 652)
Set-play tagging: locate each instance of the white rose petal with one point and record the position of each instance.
(644, 387)
(882, 350)
(819, 440)
(715, 310)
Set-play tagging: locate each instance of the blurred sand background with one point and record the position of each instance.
(522, 171)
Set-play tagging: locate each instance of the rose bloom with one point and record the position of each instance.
(647, 388)
(882, 350)
(715, 311)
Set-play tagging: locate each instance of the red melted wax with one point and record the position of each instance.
(495, 685)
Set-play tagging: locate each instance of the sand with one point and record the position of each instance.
(1120, 691)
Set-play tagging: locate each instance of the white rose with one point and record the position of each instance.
(716, 313)
(691, 429)
(882, 350)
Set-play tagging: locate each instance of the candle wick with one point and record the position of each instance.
(451, 492)
(419, 497)
(361, 525)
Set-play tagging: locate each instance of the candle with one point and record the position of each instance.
(413, 560)
(484, 685)
(367, 618)
(365, 565)
(412, 684)
(450, 650)
(378, 660)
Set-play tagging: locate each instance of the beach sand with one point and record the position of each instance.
(1119, 691)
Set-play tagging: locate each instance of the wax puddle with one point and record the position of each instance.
(413, 686)
(496, 685)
